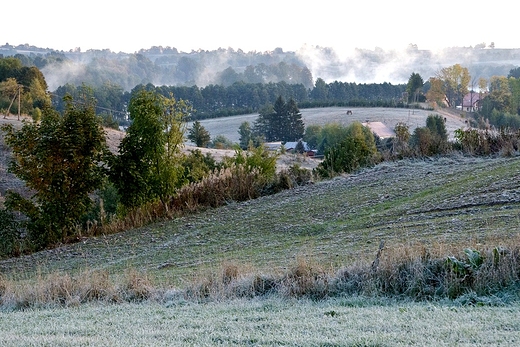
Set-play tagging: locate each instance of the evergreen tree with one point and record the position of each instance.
(414, 87)
(300, 148)
(246, 135)
(281, 122)
(295, 128)
(199, 135)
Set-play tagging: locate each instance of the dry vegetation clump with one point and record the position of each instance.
(306, 279)
(415, 273)
(418, 274)
(143, 215)
(236, 183)
(59, 289)
(137, 286)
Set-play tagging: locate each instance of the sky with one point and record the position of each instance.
(128, 26)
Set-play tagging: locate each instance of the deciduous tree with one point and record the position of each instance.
(456, 80)
(148, 166)
(61, 160)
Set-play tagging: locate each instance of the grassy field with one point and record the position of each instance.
(444, 204)
(228, 126)
(266, 322)
(435, 206)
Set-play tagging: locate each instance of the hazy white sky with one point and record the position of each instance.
(263, 25)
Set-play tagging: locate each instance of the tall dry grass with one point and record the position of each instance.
(61, 289)
(414, 272)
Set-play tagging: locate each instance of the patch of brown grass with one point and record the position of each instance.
(416, 272)
(59, 289)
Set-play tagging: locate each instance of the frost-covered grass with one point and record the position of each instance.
(425, 211)
(228, 126)
(264, 322)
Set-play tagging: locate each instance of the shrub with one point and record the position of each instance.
(421, 141)
(104, 209)
(258, 158)
(60, 159)
(235, 183)
(10, 235)
(348, 156)
(197, 166)
(221, 142)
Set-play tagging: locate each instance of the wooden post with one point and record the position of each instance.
(19, 100)
(9, 108)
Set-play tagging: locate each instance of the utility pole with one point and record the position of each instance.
(19, 99)
(12, 101)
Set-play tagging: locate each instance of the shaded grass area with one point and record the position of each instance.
(265, 322)
(445, 205)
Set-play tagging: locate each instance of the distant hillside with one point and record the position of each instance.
(168, 66)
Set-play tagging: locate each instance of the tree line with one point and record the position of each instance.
(214, 101)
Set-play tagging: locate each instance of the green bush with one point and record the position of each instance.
(105, 206)
(348, 156)
(10, 235)
(258, 158)
(197, 165)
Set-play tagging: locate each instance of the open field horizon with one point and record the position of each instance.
(228, 126)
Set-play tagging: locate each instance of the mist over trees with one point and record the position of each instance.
(162, 66)
(168, 66)
(227, 82)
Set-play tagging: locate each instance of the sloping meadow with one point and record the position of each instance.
(424, 229)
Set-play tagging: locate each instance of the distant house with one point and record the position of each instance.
(291, 146)
(472, 102)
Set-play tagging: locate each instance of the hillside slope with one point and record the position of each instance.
(442, 205)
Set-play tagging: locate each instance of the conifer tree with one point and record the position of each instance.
(281, 122)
